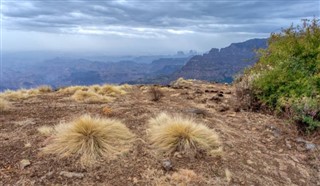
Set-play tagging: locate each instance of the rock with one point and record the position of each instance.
(71, 174)
(24, 163)
(215, 98)
(220, 94)
(307, 145)
(198, 91)
(167, 165)
(223, 108)
(275, 131)
(310, 146)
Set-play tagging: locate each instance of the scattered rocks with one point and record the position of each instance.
(307, 145)
(223, 108)
(215, 98)
(24, 163)
(275, 131)
(167, 165)
(71, 174)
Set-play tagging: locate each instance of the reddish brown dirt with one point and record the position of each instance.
(258, 149)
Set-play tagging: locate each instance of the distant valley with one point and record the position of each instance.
(217, 65)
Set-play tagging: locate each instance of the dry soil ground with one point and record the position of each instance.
(258, 149)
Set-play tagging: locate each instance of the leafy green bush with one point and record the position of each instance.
(287, 75)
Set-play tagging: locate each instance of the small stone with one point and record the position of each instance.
(215, 98)
(24, 163)
(71, 174)
(220, 94)
(249, 162)
(223, 108)
(27, 145)
(167, 165)
(310, 146)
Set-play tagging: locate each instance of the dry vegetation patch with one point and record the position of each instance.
(169, 134)
(4, 105)
(90, 138)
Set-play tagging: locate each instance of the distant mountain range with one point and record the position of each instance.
(217, 65)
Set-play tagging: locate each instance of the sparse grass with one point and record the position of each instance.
(155, 93)
(91, 138)
(24, 93)
(181, 83)
(44, 89)
(4, 105)
(169, 134)
(89, 97)
(46, 130)
(72, 89)
(112, 90)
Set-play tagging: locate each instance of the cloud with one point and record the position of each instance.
(161, 19)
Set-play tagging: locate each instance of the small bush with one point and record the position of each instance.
(72, 89)
(91, 139)
(4, 105)
(89, 97)
(286, 78)
(169, 134)
(155, 93)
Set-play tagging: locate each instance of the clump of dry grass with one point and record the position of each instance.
(169, 134)
(24, 93)
(155, 93)
(89, 97)
(46, 130)
(72, 89)
(4, 105)
(15, 95)
(91, 139)
(112, 90)
(181, 83)
(44, 89)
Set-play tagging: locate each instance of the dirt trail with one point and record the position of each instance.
(258, 149)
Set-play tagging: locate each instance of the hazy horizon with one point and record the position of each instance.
(143, 27)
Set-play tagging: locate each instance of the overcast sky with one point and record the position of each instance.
(144, 26)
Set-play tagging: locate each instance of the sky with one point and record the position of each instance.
(129, 27)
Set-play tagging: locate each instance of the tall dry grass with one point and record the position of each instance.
(90, 138)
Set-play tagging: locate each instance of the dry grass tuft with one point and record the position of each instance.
(112, 90)
(155, 93)
(89, 97)
(46, 130)
(24, 93)
(181, 83)
(91, 139)
(4, 105)
(169, 134)
(44, 89)
(72, 89)
(185, 177)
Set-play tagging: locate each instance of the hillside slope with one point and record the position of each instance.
(221, 65)
(258, 149)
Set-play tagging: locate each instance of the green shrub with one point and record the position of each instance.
(287, 75)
